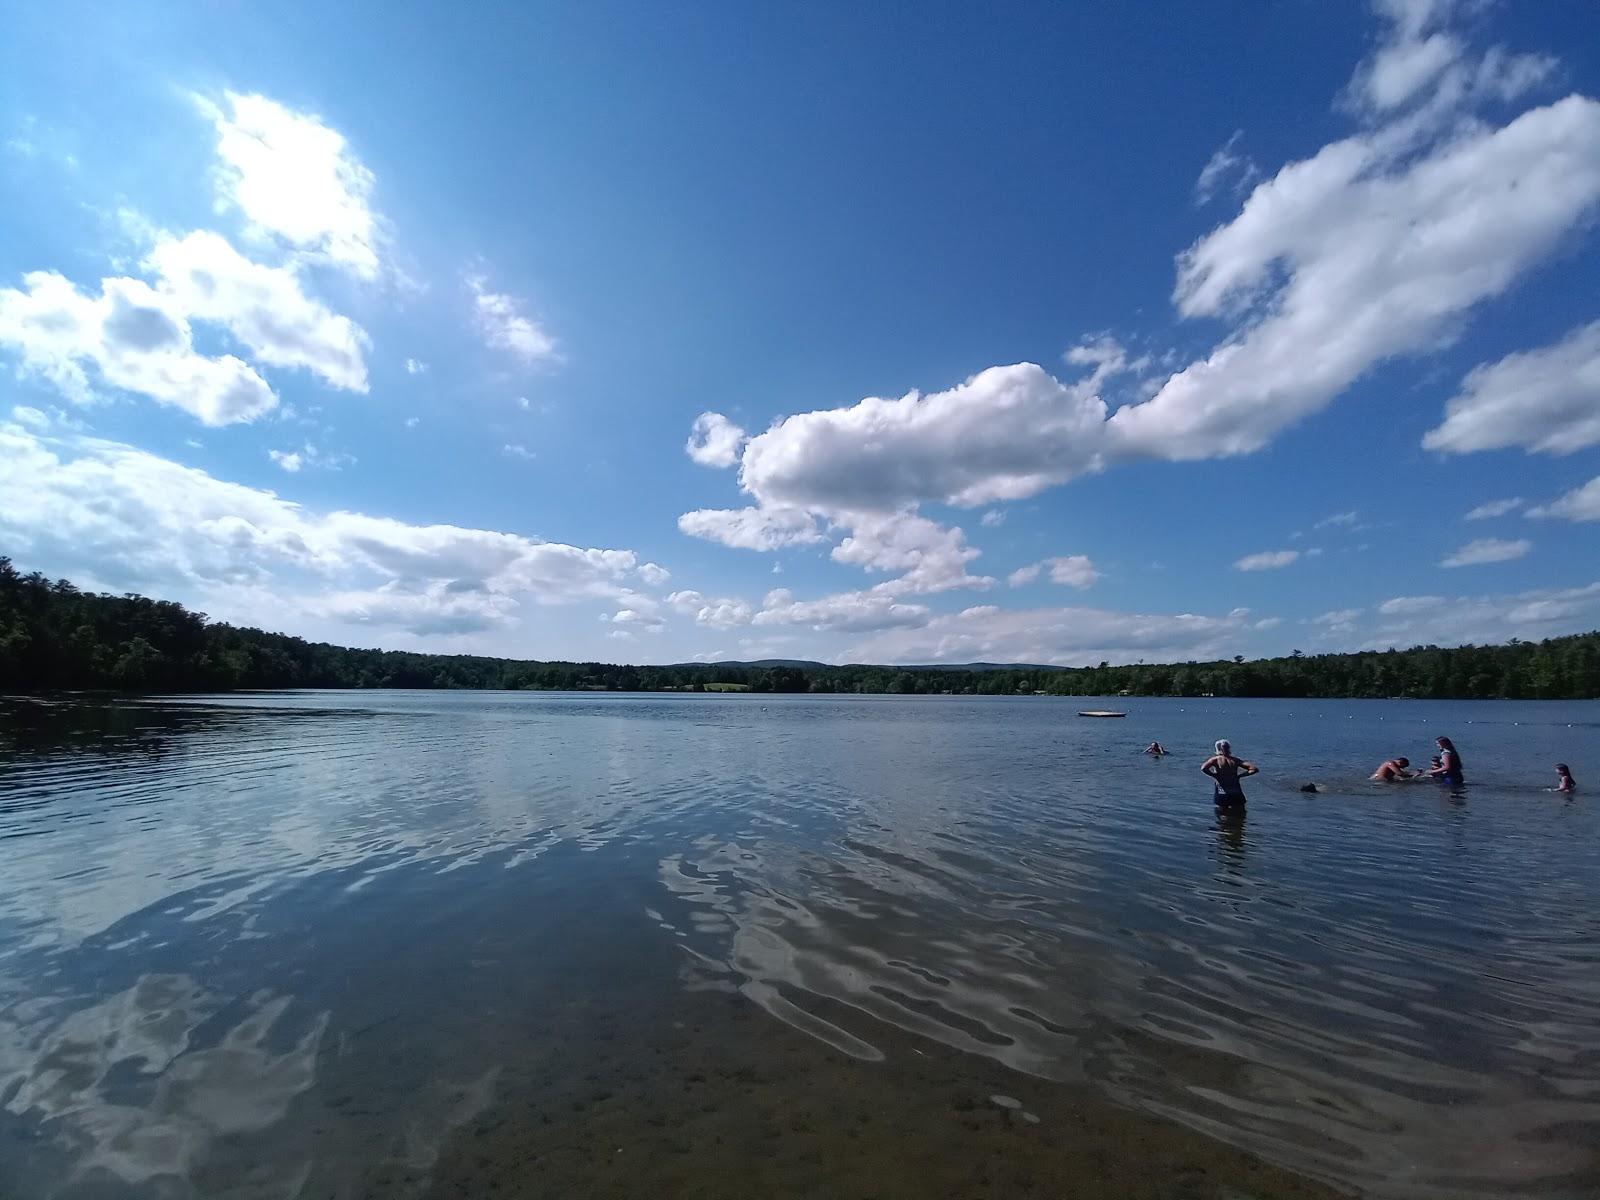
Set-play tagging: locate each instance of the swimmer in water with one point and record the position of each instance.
(1564, 780)
(1394, 769)
(1155, 748)
(1449, 769)
(1226, 771)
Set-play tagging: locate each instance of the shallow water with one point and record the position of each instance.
(321, 943)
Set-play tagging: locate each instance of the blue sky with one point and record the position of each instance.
(844, 332)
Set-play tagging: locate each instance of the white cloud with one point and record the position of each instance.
(686, 601)
(654, 574)
(413, 422)
(1064, 636)
(415, 366)
(992, 519)
(1338, 618)
(1005, 434)
(1378, 246)
(751, 528)
(295, 178)
(854, 612)
(714, 441)
(308, 455)
(1544, 400)
(634, 618)
(1266, 560)
(1073, 570)
(1367, 251)
(1267, 623)
(724, 613)
(134, 339)
(1407, 605)
(1580, 504)
(1419, 66)
(504, 326)
(518, 450)
(1487, 550)
(1532, 615)
(264, 307)
(114, 516)
(1494, 508)
(1349, 519)
(932, 557)
(1226, 168)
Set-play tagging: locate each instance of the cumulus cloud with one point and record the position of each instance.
(928, 557)
(415, 366)
(1494, 508)
(308, 455)
(1005, 434)
(129, 337)
(1379, 245)
(852, 612)
(137, 336)
(633, 618)
(1061, 636)
(294, 178)
(1487, 550)
(992, 519)
(1073, 570)
(654, 574)
(1367, 251)
(714, 441)
(119, 517)
(1545, 400)
(264, 307)
(752, 528)
(1266, 560)
(504, 326)
(1456, 620)
(1580, 504)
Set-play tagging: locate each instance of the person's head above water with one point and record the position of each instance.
(1446, 744)
(1224, 746)
(1402, 761)
(1563, 769)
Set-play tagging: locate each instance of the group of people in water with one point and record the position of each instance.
(1227, 772)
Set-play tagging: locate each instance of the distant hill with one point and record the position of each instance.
(985, 666)
(803, 664)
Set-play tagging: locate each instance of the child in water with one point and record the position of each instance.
(1564, 780)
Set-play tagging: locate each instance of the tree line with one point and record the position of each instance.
(54, 636)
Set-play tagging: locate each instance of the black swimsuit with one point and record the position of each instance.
(1228, 793)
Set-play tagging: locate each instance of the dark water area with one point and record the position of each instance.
(443, 944)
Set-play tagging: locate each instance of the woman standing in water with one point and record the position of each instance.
(1449, 769)
(1226, 771)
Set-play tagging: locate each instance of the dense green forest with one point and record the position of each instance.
(54, 636)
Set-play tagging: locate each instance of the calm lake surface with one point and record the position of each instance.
(382, 943)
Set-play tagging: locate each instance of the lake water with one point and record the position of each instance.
(349, 944)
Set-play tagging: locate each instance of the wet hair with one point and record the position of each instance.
(1224, 746)
(1402, 761)
(1446, 744)
(1563, 769)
